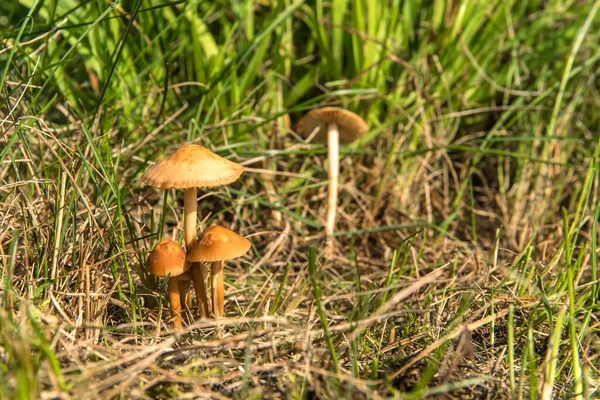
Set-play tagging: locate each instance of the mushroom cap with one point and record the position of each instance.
(167, 258)
(350, 125)
(192, 166)
(217, 243)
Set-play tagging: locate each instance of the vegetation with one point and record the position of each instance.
(467, 228)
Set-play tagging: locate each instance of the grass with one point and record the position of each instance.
(467, 257)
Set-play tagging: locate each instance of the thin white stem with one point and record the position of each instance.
(190, 217)
(333, 154)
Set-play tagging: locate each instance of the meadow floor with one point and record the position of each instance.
(466, 252)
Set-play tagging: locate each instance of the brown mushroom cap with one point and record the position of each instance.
(167, 258)
(350, 125)
(217, 243)
(192, 166)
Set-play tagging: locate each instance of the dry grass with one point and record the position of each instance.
(399, 303)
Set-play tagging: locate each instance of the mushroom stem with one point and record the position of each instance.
(190, 215)
(189, 225)
(200, 286)
(218, 289)
(333, 154)
(175, 302)
(184, 291)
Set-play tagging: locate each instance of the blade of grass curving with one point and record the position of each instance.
(65, 56)
(576, 365)
(117, 55)
(312, 271)
(13, 139)
(552, 355)
(594, 230)
(282, 285)
(581, 34)
(532, 366)
(15, 46)
(389, 278)
(511, 349)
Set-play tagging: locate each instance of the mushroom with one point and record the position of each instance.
(215, 245)
(334, 125)
(168, 259)
(191, 167)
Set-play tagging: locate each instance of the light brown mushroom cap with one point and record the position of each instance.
(350, 125)
(192, 166)
(167, 258)
(217, 243)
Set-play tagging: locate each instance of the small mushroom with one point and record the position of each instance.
(168, 259)
(334, 125)
(191, 167)
(215, 245)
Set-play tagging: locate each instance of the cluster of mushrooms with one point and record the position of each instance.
(189, 168)
(194, 167)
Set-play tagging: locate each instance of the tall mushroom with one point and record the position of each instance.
(191, 167)
(168, 259)
(334, 125)
(215, 245)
